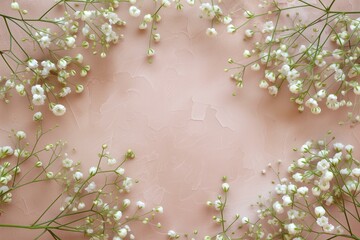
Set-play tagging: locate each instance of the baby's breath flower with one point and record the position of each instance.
(140, 204)
(81, 205)
(150, 52)
(172, 234)
(349, 148)
(37, 116)
(15, 6)
(156, 37)
(255, 67)
(143, 25)
(50, 175)
(32, 63)
(70, 41)
(249, 33)
(91, 187)
(278, 208)
(20, 135)
(58, 110)
(225, 187)
(322, 221)
(20, 89)
(247, 53)
(227, 20)
(78, 176)
(328, 228)
(67, 163)
(292, 229)
(248, 14)
(111, 161)
(127, 184)
(148, 18)
(263, 84)
(120, 171)
(286, 200)
(231, 28)
(126, 202)
(159, 209)
(319, 211)
(79, 88)
(268, 27)
(4, 189)
(218, 205)
(303, 190)
(273, 90)
(93, 171)
(117, 216)
(190, 2)
(211, 32)
(134, 11)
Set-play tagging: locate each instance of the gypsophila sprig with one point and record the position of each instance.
(319, 199)
(212, 12)
(314, 56)
(150, 20)
(225, 224)
(209, 10)
(51, 67)
(93, 204)
(23, 164)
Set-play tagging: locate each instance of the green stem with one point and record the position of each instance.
(47, 209)
(42, 16)
(36, 227)
(310, 5)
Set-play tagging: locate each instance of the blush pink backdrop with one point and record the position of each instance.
(179, 116)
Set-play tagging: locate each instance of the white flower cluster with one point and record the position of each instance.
(323, 181)
(314, 58)
(54, 74)
(81, 187)
(94, 204)
(150, 20)
(9, 170)
(109, 20)
(320, 198)
(6, 175)
(208, 10)
(220, 219)
(213, 12)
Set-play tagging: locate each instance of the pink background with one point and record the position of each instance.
(179, 116)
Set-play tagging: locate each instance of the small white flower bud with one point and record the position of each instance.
(248, 14)
(150, 52)
(15, 6)
(134, 11)
(225, 187)
(93, 171)
(249, 33)
(20, 135)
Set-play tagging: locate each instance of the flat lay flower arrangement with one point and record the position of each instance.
(315, 58)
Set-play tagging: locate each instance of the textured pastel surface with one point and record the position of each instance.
(179, 116)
